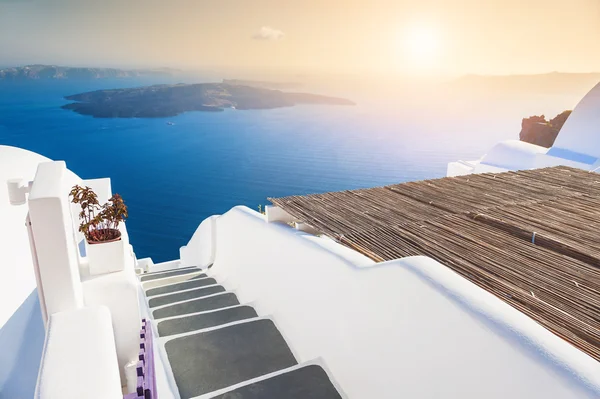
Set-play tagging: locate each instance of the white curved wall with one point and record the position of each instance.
(581, 132)
(409, 328)
(200, 250)
(512, 155)
(21, 325)
(52, 226)
(21, 345)
(15, 255)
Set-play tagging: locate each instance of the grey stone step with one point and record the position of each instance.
(216, 359)
(168, 273)
(169, 270)
(186, 285)
(205, 320)
(146, 285)
(197, 305)
(182, 296)
(309, 382)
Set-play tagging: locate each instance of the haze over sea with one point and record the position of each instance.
(174, 176)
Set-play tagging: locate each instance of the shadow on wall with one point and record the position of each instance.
(21, 345)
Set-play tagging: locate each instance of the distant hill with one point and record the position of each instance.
(171, 100)
(50, 72)
(550, 83)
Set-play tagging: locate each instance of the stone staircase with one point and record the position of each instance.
(219, 348)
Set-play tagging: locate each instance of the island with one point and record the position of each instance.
(537, 130)
(171, 100)
(264, 84)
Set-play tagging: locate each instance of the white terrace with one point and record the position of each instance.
(253, 308)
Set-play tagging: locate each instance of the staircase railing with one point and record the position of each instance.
(146, 374)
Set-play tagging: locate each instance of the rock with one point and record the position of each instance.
(537, 130)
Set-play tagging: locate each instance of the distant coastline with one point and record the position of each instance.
(171, 100)
(55, 72)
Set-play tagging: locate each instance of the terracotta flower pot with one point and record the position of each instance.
(106, 256)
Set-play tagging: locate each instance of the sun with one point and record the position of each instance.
(421, 45)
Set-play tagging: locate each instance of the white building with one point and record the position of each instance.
(577, 145)
(259, 309)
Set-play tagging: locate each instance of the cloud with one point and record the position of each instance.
(268, 33)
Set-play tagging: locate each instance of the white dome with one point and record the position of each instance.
(581, 132)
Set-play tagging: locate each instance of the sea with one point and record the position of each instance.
(174, 172)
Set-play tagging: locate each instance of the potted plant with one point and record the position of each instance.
(99, 224)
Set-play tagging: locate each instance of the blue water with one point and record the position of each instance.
(172, 177)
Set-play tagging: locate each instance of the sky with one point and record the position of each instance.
(425, 37)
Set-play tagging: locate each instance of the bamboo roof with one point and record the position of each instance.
(532, 238)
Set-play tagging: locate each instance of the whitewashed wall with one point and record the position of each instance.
(21, 326)
(200, 250)
(79, 360)
(118, 292)
(61, 270)
(409, 328)
(52, 226)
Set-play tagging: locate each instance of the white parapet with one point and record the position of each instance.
(21, 327)
(200, 250)
(65, 278)
(118, 292)
(557, 156)
(17, 191)
(301, 226)
(162, 266)
(276, 214)
(145, 264)
(407, 328)
(79, 359)
(52, 229)
(460, 168)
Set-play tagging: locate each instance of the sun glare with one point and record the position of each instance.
(421, 45)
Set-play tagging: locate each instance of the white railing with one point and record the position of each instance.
(201, 249)
(52, 227)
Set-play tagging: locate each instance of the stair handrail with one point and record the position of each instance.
(146, 372)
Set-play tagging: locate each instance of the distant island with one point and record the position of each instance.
(263, 84)
(54, 72)
(171, 100)
(537, 130)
